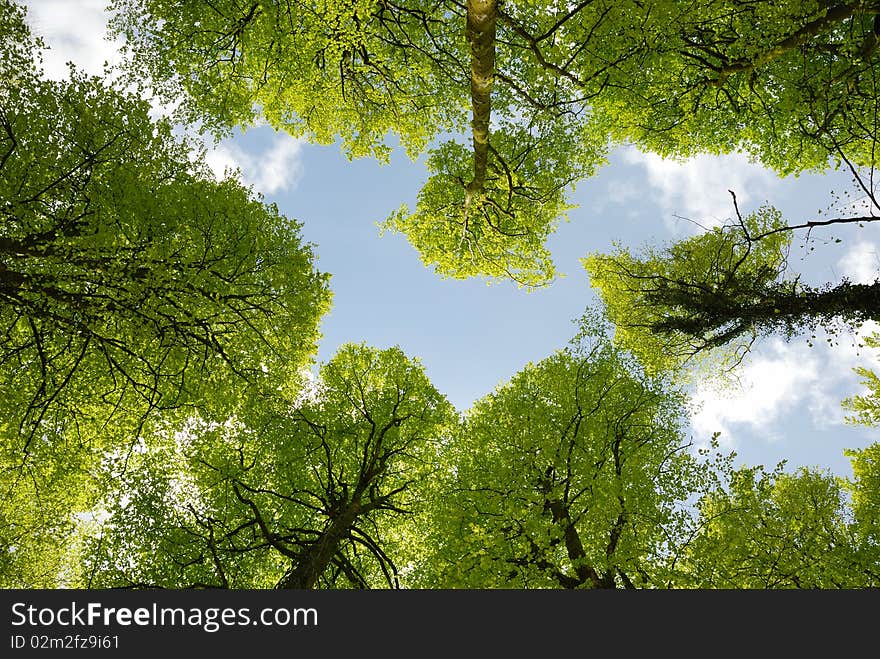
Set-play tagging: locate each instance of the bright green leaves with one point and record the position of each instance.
(806, 529)
(132, 286)
(17, 48)
(865, 491)
(356, 69)
(499, 230)
(359, 70)
(464, 235)
(39, 500)
(866, 407)
(574, 474)
(567, 476)
(130, 277)
(787, 82)
(720, 290)
(781, 530)
(156, 322)
(865, 485)
(314, 494)
(669, 305)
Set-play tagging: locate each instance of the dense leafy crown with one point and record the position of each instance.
(158, 424)
(131, 283)
(546, 87)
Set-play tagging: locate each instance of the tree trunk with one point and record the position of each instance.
(481, 17)
(312, 563)
(859, 302)
(853, 303)
(573, 545)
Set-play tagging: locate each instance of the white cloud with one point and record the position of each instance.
(782, 379)
(277, 168)
(768, 387)
(698, 188)
(74, 31)
(619, 192)
(861, 263)
(223, 159)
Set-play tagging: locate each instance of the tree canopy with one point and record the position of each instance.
(808, 529)
(160, 426)
(316, 492)
(574, 474)
(129, 278)
(865, 407)
(570, 475)
(132, 283)
(723, 289)
(546, 88)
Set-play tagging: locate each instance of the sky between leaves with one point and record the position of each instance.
(472, 337)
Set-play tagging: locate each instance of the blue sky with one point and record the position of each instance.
(471, 336)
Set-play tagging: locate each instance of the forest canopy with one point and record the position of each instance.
(530, 100)
(132, 283)
(514, 102)
(574, 474)
(165, 421)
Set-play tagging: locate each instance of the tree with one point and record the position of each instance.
(546, 87)
(574, 474)
(571, 475)
(865, 493)
(787, 530)
(866, 406)
(359, 70)
(38, 506)
(723, 289)
(156, 429)
(311, 493)
(792, 83)
(130, 279)
(807, 529)
(131, 285)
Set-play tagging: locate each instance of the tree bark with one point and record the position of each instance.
(586, 574)
(855, 303)
(312, 563)
(481, 19)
